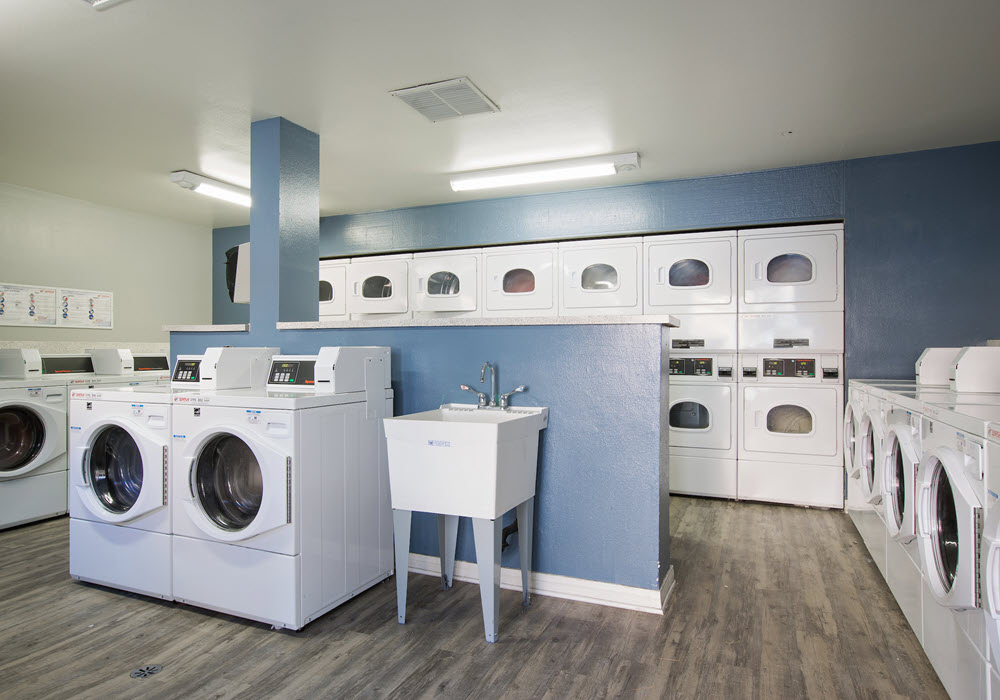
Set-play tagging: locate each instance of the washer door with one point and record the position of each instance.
(947, 512)
(31, 435)
(237, 488)
(989, 567)
(899, 465)
(850, 442)
(872, 436)
(120, 471)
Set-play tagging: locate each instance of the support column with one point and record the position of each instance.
(284, 223)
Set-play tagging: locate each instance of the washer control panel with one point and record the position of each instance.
(187, 371)
(286, 373)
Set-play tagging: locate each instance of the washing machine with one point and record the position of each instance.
(990, 550)
(280, 497)
(333, 290)
(377, 288)
(952, 500)
(702, 424)
(521, 280)
(32, 440)
(790, 432)
(119, 528)
(446, 284)
(690, 273)
(791, 269)
(601, 277)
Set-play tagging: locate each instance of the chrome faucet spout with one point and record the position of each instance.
(493, 380)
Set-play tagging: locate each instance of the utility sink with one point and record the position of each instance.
(464, 460)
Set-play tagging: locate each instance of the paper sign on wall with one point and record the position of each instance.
(80, 308)
(51, 307)
(24, 305)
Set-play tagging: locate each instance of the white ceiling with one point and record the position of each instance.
(103, 105)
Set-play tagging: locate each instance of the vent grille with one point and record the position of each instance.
(447, 99)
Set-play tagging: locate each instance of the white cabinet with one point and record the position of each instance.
(333, 290)
(377, 287)
(798, 268)
(691, 273)
(445, 284)
(520, 280)
(600, 277)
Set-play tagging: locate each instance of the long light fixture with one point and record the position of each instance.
(554, 171)
(212, 188)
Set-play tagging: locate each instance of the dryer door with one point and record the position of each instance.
(332, 290)
(785, 270)
(31, 435)
(791, 422)
(448, 283)
(989, 568)
(377, 287)
(702, 416)
(120, 471)
(520, 280)
(237, 487)
(947, 514)
(601, 278)
(691, 276)
(900, 461)
(870, 458)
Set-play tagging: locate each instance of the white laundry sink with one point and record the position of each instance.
(463, 460)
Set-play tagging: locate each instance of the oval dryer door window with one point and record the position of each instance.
(376, 287)
(325, 291)
(789, 419)
(689, 415)
(22, 435)
(790, 268)
(443, 284)
(229, 483)
(115, 469)
(599, 278)
(518, 281)
(689, 273)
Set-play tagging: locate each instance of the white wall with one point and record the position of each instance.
(159, 270)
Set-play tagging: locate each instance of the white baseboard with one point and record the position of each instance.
(611, 594)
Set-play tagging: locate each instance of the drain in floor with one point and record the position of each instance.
(146, 671)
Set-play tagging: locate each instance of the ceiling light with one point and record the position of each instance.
(211, 188)
(102, 4)
(575, 169)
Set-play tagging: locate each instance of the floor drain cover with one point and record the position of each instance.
(146, 671)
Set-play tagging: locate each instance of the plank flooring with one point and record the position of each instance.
(771, 602)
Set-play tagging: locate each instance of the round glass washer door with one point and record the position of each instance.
(228, 482)
(114, 469)
(22, 435)
(944, 527)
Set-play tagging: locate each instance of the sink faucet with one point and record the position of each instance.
(493, 381)
(480, 396)
(505, 398)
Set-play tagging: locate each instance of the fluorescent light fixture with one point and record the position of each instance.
(554, 171)
(212, 188)
(102, 4)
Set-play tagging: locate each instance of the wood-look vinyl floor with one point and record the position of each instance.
(771, 602)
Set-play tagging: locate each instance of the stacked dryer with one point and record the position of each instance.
(791, 345)
(693, 277)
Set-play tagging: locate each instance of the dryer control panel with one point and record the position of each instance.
(825, 369)
(691, 366)
(787, 367)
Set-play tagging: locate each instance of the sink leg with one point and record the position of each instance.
(487, 536)
(525, 532)
(447, 541)
(401, 532)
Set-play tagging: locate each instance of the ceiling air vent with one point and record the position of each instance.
(447, 99)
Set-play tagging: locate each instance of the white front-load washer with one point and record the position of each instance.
(118, 496)
(378, 286)
(872, 434)
(446, 284)
(952, 497)
(280, 498)
(690, 273)
(702, 424)
(32, 443)
(989, 568)
(521, 280)
(601, 277)
(791, 429)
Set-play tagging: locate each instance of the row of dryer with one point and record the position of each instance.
(255, 485)
(924, 463)
(34, 391)
(771, 270)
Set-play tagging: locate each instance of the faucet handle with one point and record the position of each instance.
(505, 398)
(483, 398)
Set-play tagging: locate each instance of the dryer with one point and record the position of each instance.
(791, 429)
(377, 287)
(690, 273)
(333, 290)
(32, 440)
(446, 284)
(521, 280)
(791, 268)
(119, 528)
(601, 277)
(280, 498)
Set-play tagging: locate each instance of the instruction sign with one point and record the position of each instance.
(55, 307)
(24, 305)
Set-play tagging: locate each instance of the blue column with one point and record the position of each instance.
(284, 223)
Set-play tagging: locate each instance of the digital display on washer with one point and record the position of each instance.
(186, 371)
(296, 373)
(691, 367)
(787, 367)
